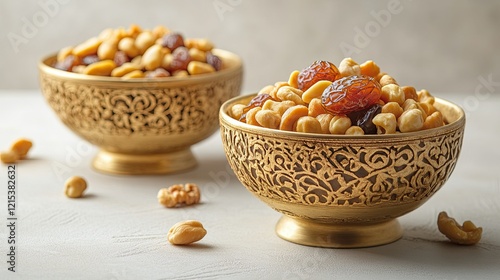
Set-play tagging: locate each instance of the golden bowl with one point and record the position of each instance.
(342, 191)
(142, 126)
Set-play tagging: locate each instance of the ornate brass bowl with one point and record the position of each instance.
(342, 191)
(143, 126)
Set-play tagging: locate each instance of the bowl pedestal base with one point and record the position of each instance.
(345, 235)
(143, 164)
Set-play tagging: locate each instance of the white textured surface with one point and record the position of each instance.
(118, 231)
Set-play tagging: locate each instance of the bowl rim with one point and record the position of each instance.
(225, 118)
(236, 65)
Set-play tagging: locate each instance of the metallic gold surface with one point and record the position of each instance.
(342, 191)
(143, 126)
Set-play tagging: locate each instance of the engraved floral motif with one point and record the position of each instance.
(322, 173)
(118, 111)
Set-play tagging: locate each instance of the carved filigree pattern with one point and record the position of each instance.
(118, 111)
(319, 173)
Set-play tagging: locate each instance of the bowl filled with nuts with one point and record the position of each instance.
(144, 97)
(341, 152)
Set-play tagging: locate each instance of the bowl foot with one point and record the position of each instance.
(306, 232)
(130, 164)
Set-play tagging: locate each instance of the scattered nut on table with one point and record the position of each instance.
(466, 234)
(21, 147)
(18, 150)
(179, 194)
(186, 232)
(75, 186)
(8, 157)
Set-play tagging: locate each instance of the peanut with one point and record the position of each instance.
(293, 79)
(291, 116)
(107, 49)
(354, 130)
(250, 116)
(433, 120)
(9, 157)
(268, 118)
(127, 45)
(410, 93)
(277, 86)
(385, 122)
(316, 108)
(196, 68)
(201, 44)
(78, 69)
(392, 93)
(88, 47)
(157, 73)
(236, 110)
(134, 75)
(379, 76)
(266, 90)
(180, 73)
(143, 41)
(186, 232)
(407, 104)
(160, 31)
(339, 124)
(369, 68)
(411, 120)
(324, 121)
(308, 124)
(21, 147)
(137, 61)
(349, 67)
(124, 69)
(425, 97)
(152, 57)
(167, 61)
(393, 108)
(387, 80)
(427, 107)
(417, 105)
(63, 53)
(197, 55)
(75, 186)
(100, 68)
(291, 94)
(315, 91)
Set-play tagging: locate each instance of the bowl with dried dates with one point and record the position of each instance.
(341, 152)
(143, 96)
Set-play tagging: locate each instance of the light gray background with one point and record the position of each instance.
(443, 46)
